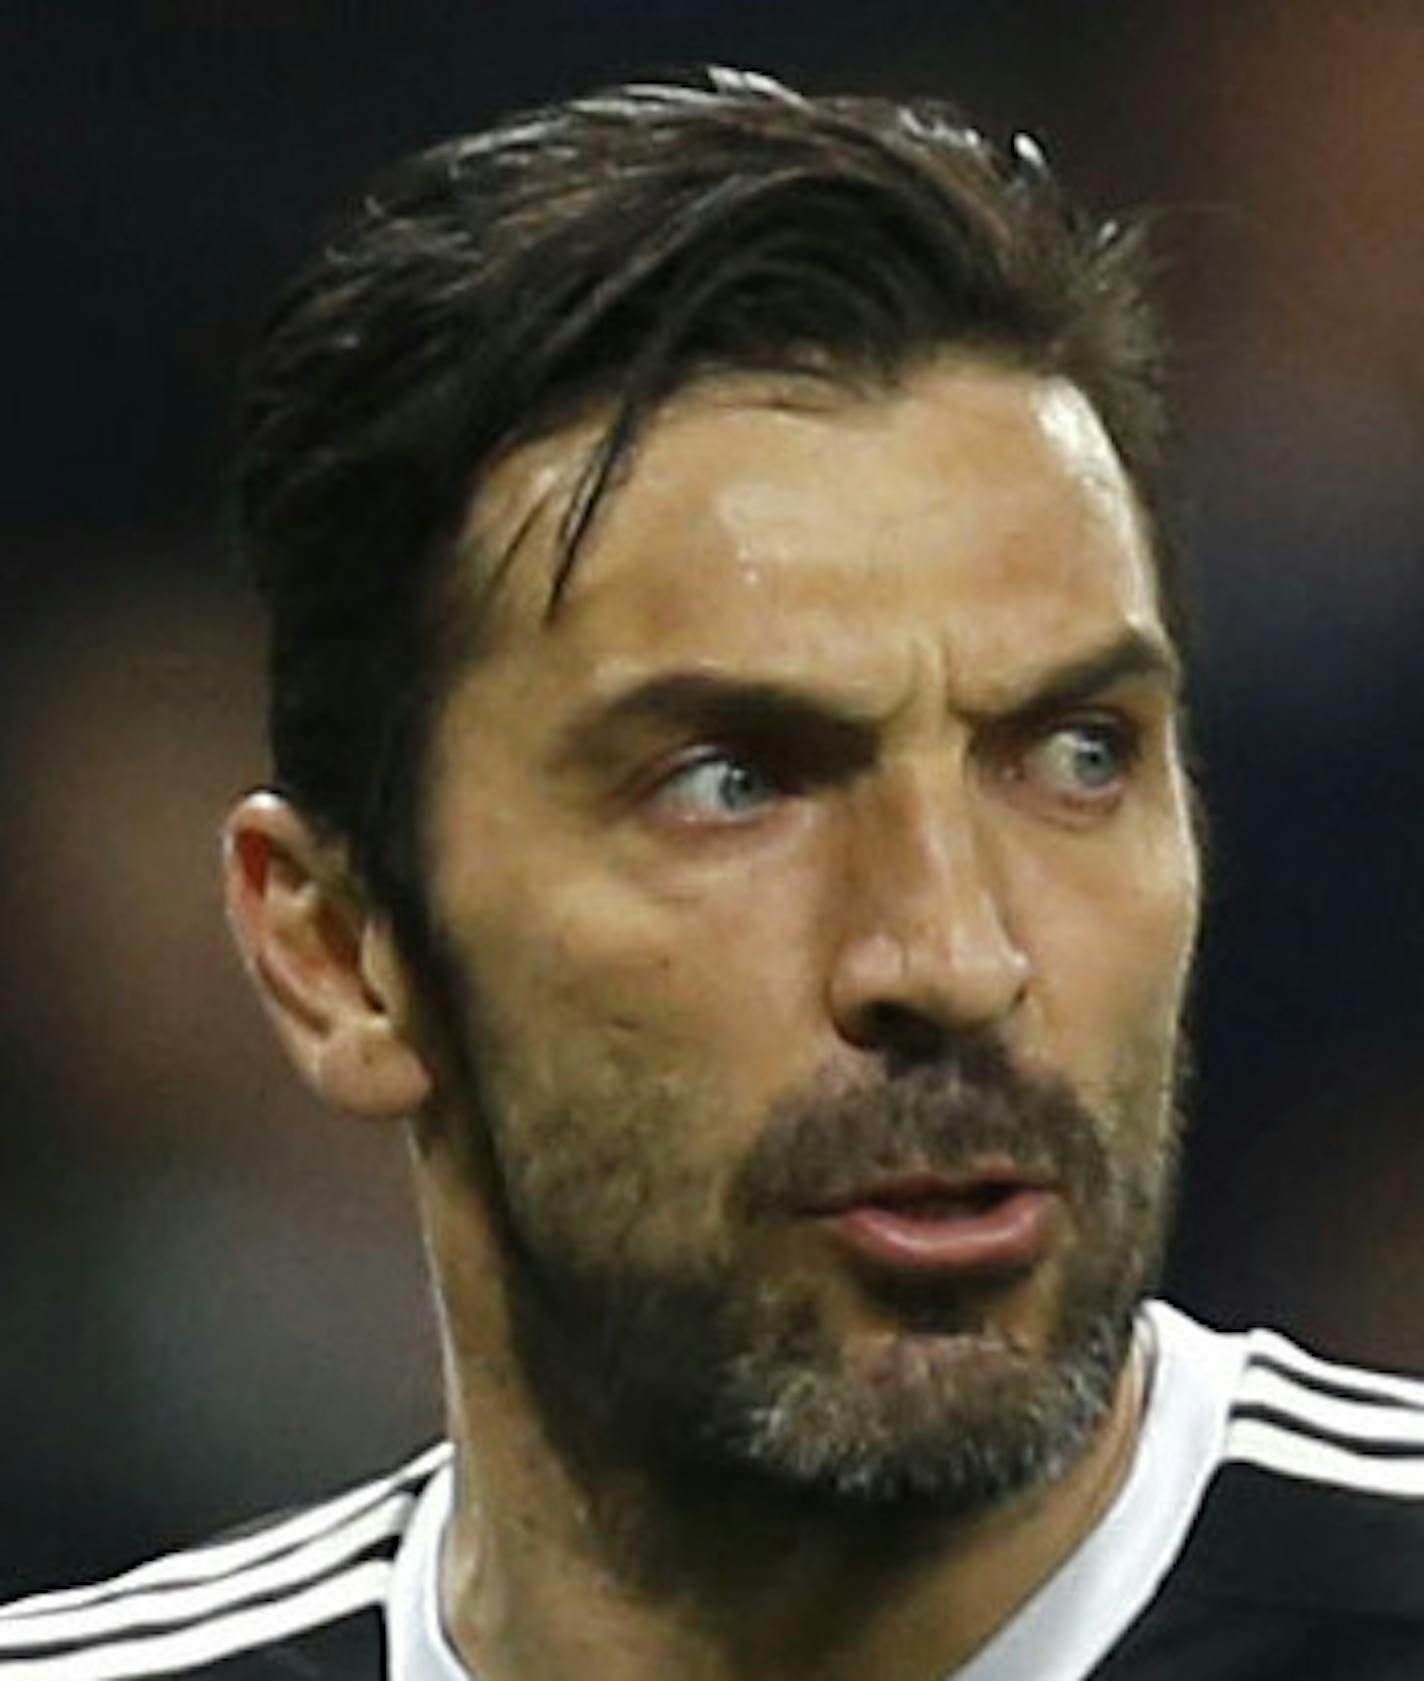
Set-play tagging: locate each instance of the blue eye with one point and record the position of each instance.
(717, 785)
(1082, 760)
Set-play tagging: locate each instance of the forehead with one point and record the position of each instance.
(976, 514)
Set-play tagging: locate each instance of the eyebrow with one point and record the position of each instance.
(1133, 654)
(722, 705)
(748, 707)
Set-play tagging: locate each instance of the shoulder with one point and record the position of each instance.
(1320, 1494)
(1306, 1554)
(1333, 1426)
(302, 1593)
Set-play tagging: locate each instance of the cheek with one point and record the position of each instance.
(628, 1045)
(711, 977)
(603, 1134)
(1112, 948)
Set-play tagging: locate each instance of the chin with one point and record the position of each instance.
(951, 1421)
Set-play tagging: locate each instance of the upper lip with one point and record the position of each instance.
(889, 1189)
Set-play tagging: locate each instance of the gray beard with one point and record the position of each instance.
(710, 1377)
(958, 1423)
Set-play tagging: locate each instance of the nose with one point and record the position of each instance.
(926, 948)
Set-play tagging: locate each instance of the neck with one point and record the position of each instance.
(558, 1564)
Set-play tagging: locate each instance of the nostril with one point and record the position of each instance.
(903, 1035)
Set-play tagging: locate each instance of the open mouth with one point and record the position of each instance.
(990, 1222)
(962, 1202)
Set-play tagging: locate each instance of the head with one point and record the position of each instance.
(723, 710)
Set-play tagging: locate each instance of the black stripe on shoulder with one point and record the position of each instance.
(352, 1648)
(335, 1631)
(76, 1639)
(291, 1532)
(400, 1490)
(1347, 1385)
(1366, 1446)
(408, 1478)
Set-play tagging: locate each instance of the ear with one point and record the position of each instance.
(323, 962)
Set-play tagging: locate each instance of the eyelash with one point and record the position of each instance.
(726, 758)
(1122, 736)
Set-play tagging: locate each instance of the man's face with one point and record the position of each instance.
(818, 889)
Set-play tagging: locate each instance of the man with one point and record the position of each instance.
(730, 803)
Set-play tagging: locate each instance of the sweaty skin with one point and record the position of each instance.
(855, 731)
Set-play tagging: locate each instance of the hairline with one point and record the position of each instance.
(839, 382)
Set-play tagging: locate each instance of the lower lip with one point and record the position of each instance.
(1012, 1235)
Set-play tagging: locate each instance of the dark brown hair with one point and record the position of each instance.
(615, 249)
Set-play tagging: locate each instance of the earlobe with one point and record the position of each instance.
(368, 1069)
(322, 962)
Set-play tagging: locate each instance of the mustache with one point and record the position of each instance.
(968, 1108)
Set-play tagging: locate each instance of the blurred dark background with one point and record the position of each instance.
(212, 1298)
